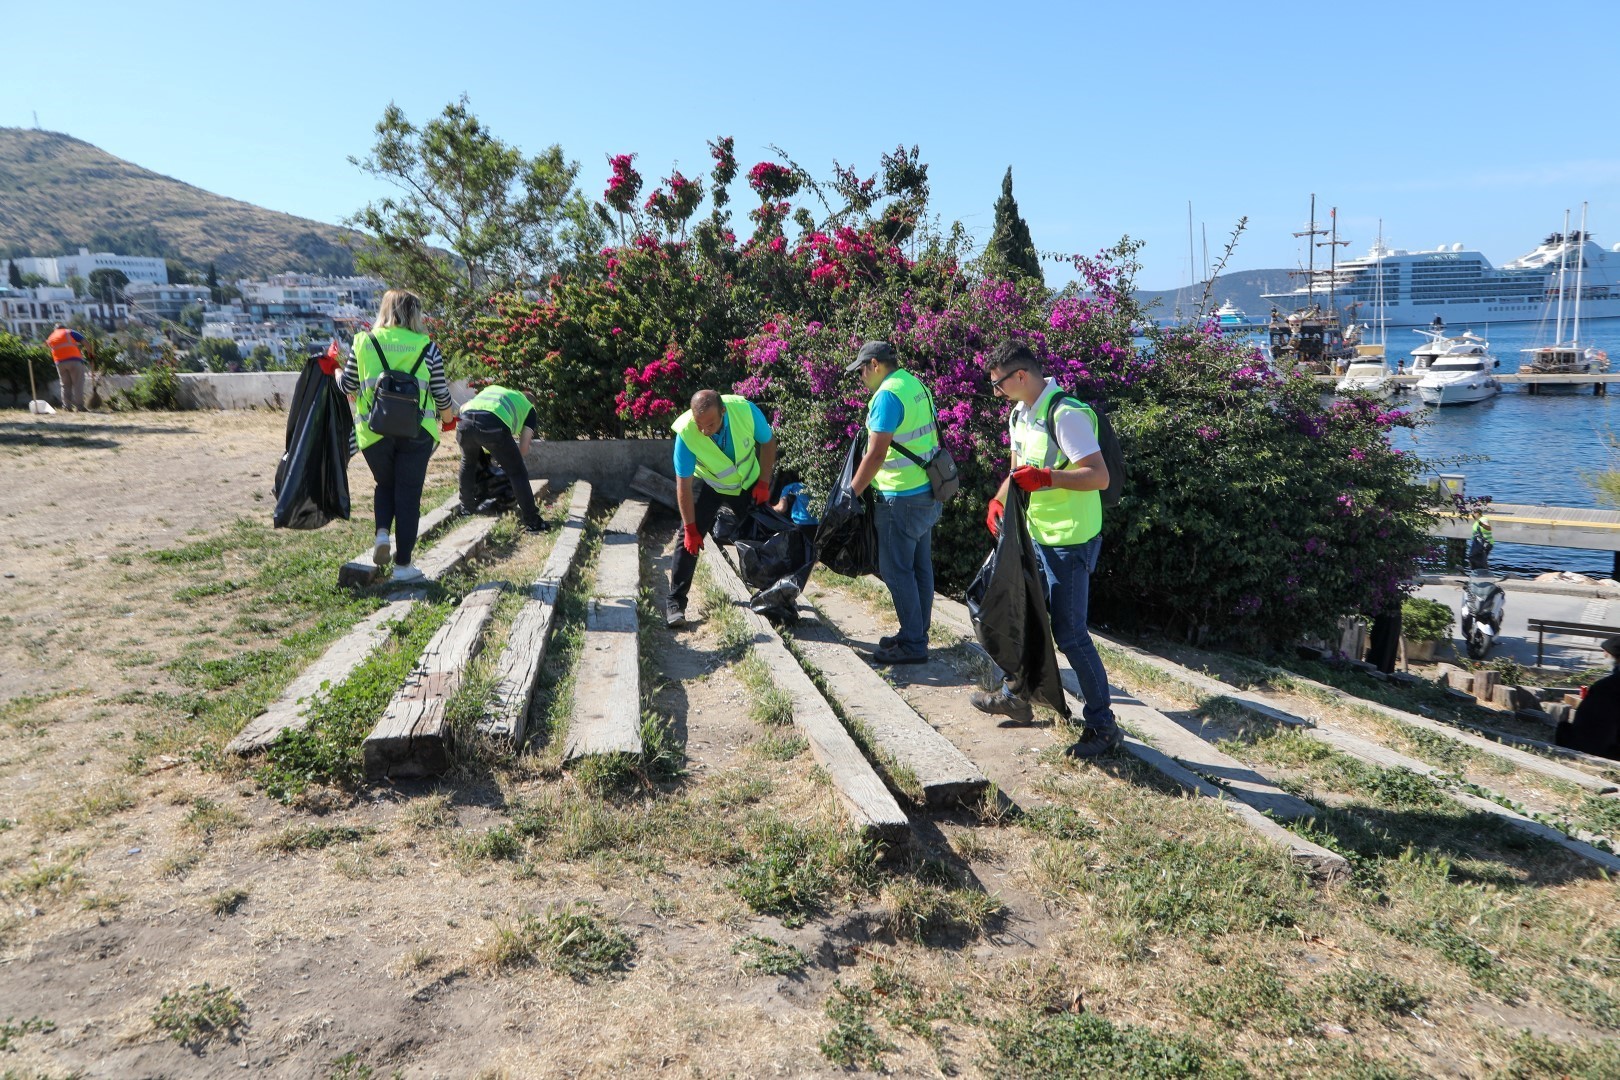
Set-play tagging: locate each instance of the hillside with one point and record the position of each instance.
(1242, 287)
(58, 194)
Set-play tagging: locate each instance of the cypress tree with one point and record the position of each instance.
(1010, 240)
(14, 275)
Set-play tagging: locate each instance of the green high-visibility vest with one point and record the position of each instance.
(510, 405)
(916, 433)
(402, 347)
(1057, 517)
(727, 475)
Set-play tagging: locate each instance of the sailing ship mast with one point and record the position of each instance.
(1333, 247)
(1563, 247)
(1310, 246)
(1580, 261)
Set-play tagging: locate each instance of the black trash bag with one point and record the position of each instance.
(492, 491)
(846, 542)
(1007, 602)
(774, 559)
(312, 480)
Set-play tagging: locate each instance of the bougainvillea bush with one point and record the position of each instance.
(1254, 510)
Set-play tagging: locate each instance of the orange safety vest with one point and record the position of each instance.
(63, 347)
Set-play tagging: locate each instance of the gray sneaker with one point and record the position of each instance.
(1094, 743)
(674, 615)
(1001, 703)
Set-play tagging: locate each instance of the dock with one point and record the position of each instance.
(1532, 383)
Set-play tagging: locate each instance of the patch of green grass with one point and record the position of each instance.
(227, 901)
(1249, 995)
(349, 1067)
(1033, 1046)
(12, 1028)
(766, 956)
(207, 818)
(1531, 1057)
(56, 876)
(1600, 815)
(853, 1042)
(198, 1013)
(1059, 822)
(499, 843)
(779, 746)
(919, 909)
(1374, 993)
(328, 749)
(791, 871)
(1590, 1003)
(316, 837)
(1482, 965)
(576, 941)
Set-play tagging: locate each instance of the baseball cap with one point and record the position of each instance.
(880, 351)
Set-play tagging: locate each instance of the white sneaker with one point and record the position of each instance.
(407, 573)
(381, 553)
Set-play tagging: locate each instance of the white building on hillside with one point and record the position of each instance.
(153, 302)
(57, 269)
(32, 314)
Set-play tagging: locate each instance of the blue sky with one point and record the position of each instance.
(1453, 122)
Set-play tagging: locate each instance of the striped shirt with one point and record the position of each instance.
(438, 386)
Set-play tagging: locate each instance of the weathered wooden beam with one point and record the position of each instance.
(657, 487)
(901, 736)
(413, 738)
(360, 571)
(526, 641)
(606, 717)
(289, 713)
(1245, 782)
(869, 803)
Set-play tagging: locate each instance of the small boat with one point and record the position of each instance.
(1461, 375)
(1230, 317)
(1368, 375)
(1438, 344)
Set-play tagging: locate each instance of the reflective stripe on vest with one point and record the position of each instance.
(917, 433)
(509, 405)
(727, 475)
(63, 347)
(1057, 517)
(401, 347)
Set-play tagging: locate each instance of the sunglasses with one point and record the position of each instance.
(995, 384)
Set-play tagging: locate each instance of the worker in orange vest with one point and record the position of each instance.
(64, 345)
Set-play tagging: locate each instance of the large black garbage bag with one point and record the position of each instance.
(312, 480)
(1007, 602)
(775, 560)
(846, 542)
(492, 491)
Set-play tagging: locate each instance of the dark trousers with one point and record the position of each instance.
(483, 432)
(400, 468)
(709, 502)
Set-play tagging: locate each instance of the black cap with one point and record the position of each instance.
(881, 351)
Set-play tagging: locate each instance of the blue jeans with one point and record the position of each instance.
(905, 529)
(1068, 595)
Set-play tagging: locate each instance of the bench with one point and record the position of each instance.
(1543, 627)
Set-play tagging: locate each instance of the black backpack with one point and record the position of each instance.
(396, 404)
(1107, 442)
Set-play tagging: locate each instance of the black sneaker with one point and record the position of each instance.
(1000, 703)
(888, 641)
(538, 527)
(895, 655)
(1093, 743)
(674, 615)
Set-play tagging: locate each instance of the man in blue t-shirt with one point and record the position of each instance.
(699, 502)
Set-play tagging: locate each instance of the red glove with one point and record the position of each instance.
(332, 360)
(450, 424)
(1030, 478)
(692, 540)
(762, 491)
(992, 519)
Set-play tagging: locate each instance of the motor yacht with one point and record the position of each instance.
(1461, 375)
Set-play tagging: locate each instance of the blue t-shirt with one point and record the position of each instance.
(686, 461)
(800, 510)
(883, 414)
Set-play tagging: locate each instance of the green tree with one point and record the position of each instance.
(213, 284)
(1010, 241)
(15, 356)
(506, 219)
(191, 317)
(13, 275)
(178, 272)
(217, 354)
(78, 285)
(107, 285)
(261, 358)
(33, 281)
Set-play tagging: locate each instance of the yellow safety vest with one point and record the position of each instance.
(727, 475)
(917, 433)
(510, 405)
(402, 347)
(1057, 517)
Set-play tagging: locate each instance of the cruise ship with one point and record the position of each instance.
(1463, 288)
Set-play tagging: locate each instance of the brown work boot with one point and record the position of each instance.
(1000, 702)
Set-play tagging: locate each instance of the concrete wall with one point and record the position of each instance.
(247, 390)
(608, 464)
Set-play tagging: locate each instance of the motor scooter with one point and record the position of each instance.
(1483, 602)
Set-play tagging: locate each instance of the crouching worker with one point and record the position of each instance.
(724, 441)
(1056, 458)
(501, 423)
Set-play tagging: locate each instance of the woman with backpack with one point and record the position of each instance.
(395, 378)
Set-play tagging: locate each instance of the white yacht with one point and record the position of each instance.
(1368, 375)
(1461, 286)
(1461, 375)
